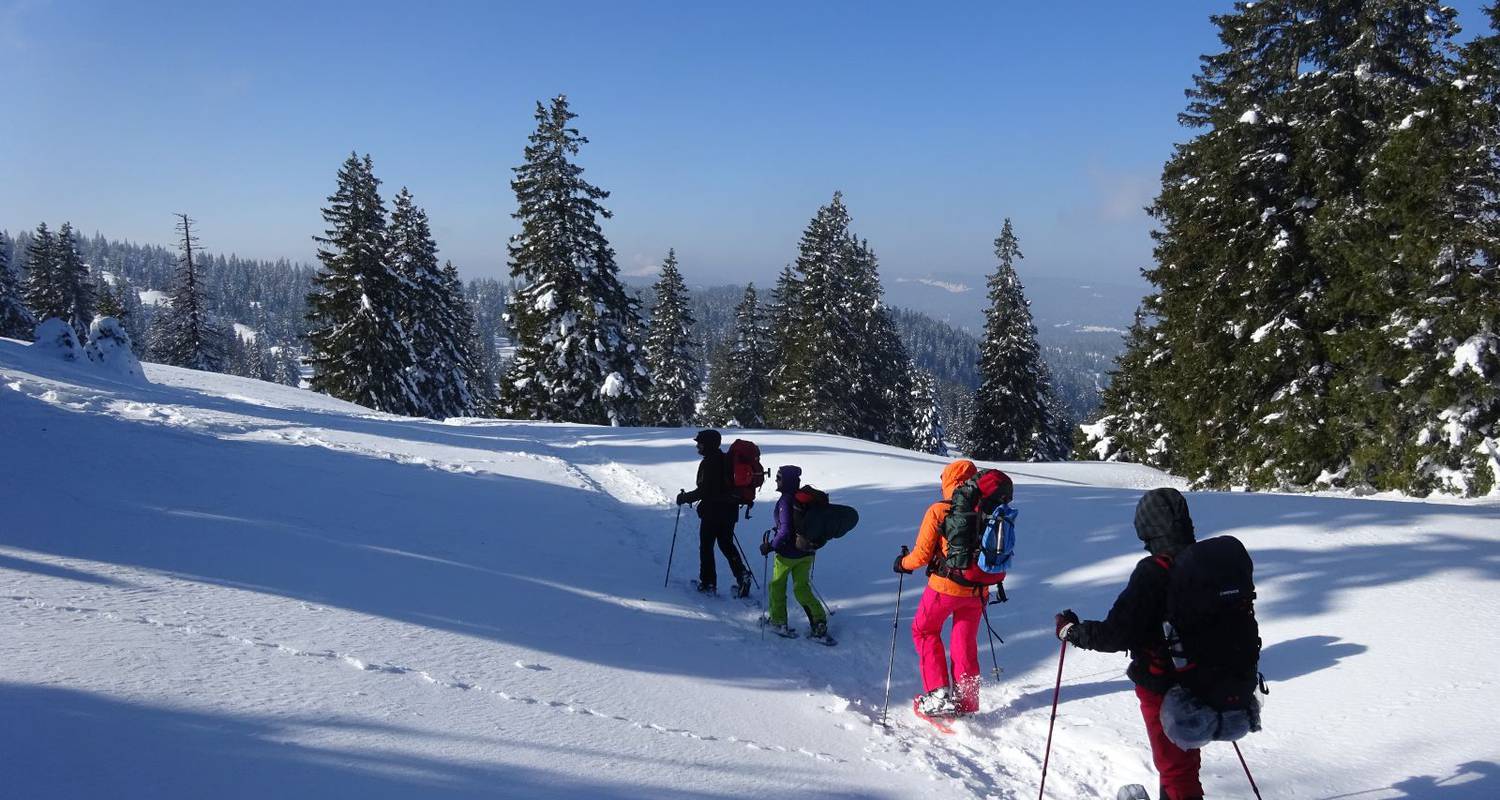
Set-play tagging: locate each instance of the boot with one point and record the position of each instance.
(819, 630)
(742, 585)
(938, 703)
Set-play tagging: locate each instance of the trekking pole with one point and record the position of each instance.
(1253, 787)
(743, 559)
(994, 662)
(765, 590)
(668, 579)
(810, 572)
(889, 667)
(1056, 692)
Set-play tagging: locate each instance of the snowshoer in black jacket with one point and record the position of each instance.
(1135, 622)
(717, 513)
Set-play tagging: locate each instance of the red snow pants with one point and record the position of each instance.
(1177, 768)
(927, 634)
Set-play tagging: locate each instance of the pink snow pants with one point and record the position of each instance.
(927, 634)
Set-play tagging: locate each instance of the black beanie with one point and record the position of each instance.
(1163, 514)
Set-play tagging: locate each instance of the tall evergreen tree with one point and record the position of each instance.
(882, 379)
(189, 335)
(1013, 418)
(110, 303)
(1270, 346)
(433, 315)
(464, 345)
(739, 380)
(360, 350)
(927, 434)
(671, 353)
(784, 334)
(16, 320)
(72, 276)
(575, 327)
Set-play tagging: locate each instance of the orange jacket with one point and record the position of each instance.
(930, 536)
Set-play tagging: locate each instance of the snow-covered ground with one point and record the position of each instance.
(217, 587)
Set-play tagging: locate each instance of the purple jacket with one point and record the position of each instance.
(783, 541)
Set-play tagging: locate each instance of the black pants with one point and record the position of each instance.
(718, 529)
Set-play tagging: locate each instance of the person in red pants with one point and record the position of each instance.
(949, 689)
(1135, 622)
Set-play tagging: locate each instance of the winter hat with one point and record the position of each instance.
(789, 477)
(708, 437)
(1162, 520)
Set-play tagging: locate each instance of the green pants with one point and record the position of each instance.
(801, 571)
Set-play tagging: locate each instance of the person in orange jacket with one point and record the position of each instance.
(949, 689)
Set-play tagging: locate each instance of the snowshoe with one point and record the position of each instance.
(819, 634)
(940, 722)
(742, 586)
(782, 629)
(1134, 791)
(704, 588)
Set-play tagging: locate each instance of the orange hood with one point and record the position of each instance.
(955, 474)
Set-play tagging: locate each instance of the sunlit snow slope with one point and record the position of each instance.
(216, 587)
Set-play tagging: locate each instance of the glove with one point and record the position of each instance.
(765, 548)
(1065, 622)
(897, 566)
(682, 498)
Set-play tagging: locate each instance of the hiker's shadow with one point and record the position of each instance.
(1042, 698)
(1475, 780)
(1305, 655)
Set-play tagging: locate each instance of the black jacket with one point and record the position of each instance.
(1134, 624)
(712, 492)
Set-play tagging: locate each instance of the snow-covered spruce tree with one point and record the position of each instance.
(286, 366)
(783, 336)
(880, 391)
(57, 280)
(739, 379)
(575, 327)
(1012, 417)
(72, 276)
(812, 388)
(671, 353)
(1260, 367)
(464, 346)
(109, 302)
(187, 335)
(16, 320)
(433, 316)
(1430, 236)
(43, 293)
(842, 364)
(360, 350)
(927, 433)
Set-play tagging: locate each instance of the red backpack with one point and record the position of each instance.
(746, 475)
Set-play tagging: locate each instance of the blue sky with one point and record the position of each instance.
(718, 127)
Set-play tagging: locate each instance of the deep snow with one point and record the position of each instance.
(212, 586)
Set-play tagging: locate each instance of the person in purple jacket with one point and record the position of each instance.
(791, 561)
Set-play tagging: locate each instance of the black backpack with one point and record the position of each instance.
(815, 520)
(1211, 631)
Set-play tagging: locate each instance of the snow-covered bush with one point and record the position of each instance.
(56, 336)
(109, 348)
